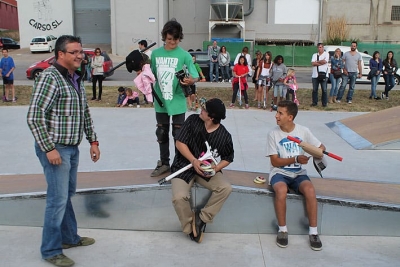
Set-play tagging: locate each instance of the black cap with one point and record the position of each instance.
(215, 108)
(134, 60)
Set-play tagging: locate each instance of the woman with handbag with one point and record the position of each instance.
(97, 75)
(336, 74)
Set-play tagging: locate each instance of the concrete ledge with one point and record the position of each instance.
(249, 209)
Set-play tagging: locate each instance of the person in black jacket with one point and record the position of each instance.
(389, 69)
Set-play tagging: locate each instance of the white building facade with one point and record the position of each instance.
(122, 23)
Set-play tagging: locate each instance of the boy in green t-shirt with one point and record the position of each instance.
(165, 62)
(192, 103)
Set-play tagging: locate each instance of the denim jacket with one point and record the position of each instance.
(336, 63)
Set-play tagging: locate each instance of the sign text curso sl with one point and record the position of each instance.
(44, 27)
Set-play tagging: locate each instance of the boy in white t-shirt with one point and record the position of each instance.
(286, 170)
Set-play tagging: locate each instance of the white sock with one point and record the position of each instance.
(283, 229)
(313, 231)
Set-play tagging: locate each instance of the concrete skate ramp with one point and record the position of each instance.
(375, 130)
(132, 200)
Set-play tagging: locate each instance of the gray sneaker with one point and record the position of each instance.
(315, 242)
(60, 260)
(282, 239)
(160, 169)
(85, 241)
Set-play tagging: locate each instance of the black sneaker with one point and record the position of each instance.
(160, 169)
(282, 239)
(198, 227)
(315, 242)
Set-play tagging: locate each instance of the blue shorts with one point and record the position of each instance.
(292, 183)
(280, 90)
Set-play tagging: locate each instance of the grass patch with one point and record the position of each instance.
(361, 103)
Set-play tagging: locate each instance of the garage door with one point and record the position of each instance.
(92, 21)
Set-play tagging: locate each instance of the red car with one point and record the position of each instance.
(35, 69)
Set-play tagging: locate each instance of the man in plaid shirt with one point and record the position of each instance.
(58, 116)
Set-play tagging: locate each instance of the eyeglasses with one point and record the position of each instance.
(75, 53)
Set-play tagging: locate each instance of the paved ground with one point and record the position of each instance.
(127, 141)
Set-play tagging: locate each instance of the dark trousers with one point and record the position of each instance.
(96, 78)
(324, 96)
(235, 92)
(164, 120)
(389, 83)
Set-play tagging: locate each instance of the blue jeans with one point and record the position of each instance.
(352, 76)
(225, 72)
(389, 83)
(59, 220)
(335, 82)
(324, 95)
(374, 83)
(212, 66)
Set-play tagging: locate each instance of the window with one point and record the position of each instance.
(395, 13)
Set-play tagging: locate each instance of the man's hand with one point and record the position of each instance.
(94, 153)
(54, 157)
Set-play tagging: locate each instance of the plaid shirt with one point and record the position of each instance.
(58, 112)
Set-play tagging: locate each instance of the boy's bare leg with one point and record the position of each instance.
(280, 189)
(308, 191)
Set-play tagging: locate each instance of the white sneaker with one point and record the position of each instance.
(138, 106)
(130, 105)
(349, 102)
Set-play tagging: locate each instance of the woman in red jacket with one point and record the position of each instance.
(240, 72)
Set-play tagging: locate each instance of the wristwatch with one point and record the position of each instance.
(94, 143)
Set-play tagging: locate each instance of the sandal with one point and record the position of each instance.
(259, 180)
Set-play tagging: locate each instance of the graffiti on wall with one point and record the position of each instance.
(44, 14)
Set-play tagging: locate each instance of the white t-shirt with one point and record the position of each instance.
(278, 144)
(324, 68)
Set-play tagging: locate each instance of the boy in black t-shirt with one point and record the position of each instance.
(190, 144)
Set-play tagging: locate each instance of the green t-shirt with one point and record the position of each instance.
(197, 66)
(164, 64)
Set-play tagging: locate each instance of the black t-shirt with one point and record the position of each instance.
(193, 133)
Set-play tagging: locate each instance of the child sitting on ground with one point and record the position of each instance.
(131, 98)
(290, 82)
(121, 96)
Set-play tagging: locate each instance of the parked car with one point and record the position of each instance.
(35, 69)
(9, 43)
(44, 43)
(364, 62)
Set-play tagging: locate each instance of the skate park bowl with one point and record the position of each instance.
(374, 130)
(132, 200)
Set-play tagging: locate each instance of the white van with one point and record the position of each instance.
(365, 62)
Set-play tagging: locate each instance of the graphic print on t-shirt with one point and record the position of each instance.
(166, 67)
(289, 149)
